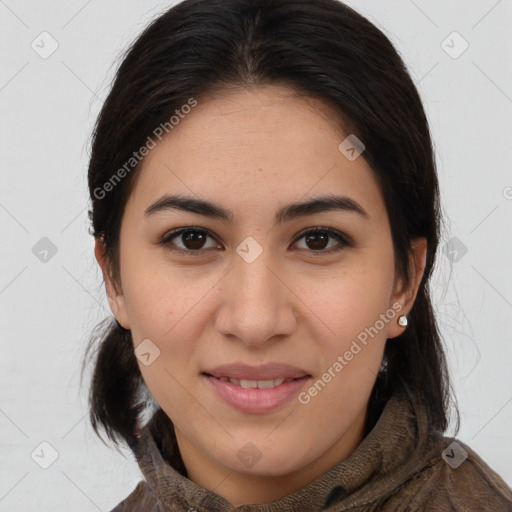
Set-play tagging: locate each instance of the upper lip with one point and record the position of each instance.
(263, 372)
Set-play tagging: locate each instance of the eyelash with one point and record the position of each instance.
(166, 239)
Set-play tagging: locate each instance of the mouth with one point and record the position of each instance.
(256, 384)
(255, 396)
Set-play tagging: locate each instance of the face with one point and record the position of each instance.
(254, 288)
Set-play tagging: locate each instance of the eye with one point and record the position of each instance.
(193, 239)
(317, 239)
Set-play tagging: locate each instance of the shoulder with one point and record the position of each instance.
(139, 499)
(454, 478)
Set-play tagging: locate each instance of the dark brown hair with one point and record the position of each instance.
(324, 50)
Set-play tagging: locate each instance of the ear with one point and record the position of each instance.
(405, 293)
(115, 296)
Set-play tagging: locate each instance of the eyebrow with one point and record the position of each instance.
(286, 213)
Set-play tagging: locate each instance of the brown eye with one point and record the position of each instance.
(318, 239)
(192, 240)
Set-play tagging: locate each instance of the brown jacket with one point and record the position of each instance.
(385, 473)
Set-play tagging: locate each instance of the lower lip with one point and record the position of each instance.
(256, 400)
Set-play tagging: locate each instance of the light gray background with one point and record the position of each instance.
(48, 309)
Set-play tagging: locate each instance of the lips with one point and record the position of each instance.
(240, 372)
(251, 400)
(256, 389)
(253, 384)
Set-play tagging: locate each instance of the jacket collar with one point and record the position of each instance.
(385, 458)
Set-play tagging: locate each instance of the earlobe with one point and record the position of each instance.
(115, 297)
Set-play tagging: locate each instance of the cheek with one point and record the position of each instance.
(167, 306)
(166, 311)
(159, 297)
(354, 318)
(352, 298)
(356, 311)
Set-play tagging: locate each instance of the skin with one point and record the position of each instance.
(253, 152)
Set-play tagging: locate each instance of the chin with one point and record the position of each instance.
(264, 460)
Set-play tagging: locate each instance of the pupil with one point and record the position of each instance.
(194, 237)
(314, 238)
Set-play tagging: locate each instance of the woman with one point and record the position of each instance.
(266, 213)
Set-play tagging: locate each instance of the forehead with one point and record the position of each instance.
(262, 147)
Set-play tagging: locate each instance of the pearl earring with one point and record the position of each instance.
(402, 320)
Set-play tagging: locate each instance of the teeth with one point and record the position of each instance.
(253, 384)
(262, 384)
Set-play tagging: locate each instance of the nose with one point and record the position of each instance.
(257, 302)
